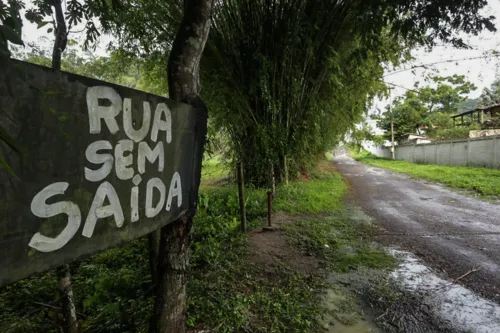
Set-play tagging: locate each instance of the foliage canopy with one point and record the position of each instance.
(287, 79)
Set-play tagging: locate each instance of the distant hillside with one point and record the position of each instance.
(468, 104)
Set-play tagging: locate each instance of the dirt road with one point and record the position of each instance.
(451, 232)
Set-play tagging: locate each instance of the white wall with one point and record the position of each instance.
(480, 152)
(376, 150)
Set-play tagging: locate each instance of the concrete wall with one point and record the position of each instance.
(376, 150)
(478, 152)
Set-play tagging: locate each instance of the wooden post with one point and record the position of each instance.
(241, 192)
(269, 207)
(272, 180)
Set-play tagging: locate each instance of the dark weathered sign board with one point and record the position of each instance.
(101, 164)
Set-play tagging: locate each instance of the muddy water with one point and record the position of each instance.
(462, 308)
(343, 315)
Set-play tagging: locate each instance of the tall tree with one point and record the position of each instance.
(10, 31)
(430, 105)
(491, 94)
(285, 78)
(184, 86)
(63, 273)
(445, 94)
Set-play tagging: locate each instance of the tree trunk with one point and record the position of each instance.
(154, 248)
(70, 323)
(284, 169)
(61, 36)
(184, 86)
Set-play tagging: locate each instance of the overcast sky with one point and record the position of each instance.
(481, 72)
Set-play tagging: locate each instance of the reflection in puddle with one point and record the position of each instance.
(456, 304)
(343, 315)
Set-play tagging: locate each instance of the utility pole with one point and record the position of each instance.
(393, 150)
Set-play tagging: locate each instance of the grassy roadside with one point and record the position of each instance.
(483, 181)
(229, 289)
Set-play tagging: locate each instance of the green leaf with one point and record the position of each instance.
(4, 48)
(63, 118)
(42, 24)
(8, 168)
(5, 137)
(52, 110)
(14, 24)
(11, 35)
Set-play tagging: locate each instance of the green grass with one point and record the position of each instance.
(213, 168)
(483, 181)
(342, 241)
(322, 194)
(228, 293)
(225, 292)
(328, 156)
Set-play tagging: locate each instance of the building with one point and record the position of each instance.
(484, 116)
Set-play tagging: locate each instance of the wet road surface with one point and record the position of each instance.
(452, 233)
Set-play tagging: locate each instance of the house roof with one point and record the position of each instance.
(465, 112)
(476, 110)
(489, 106)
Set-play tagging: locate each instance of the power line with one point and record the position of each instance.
(397, 85)
(495, 55)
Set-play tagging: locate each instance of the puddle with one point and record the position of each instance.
(456, 304)
(343, 315)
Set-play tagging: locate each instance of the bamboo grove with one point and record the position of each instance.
(284, 80)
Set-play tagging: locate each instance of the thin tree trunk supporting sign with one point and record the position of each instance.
(70, 323)
(184, 86)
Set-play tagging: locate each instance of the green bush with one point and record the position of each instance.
(454, 133)
(113, 289)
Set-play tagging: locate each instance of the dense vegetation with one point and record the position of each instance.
(113, 289)
(283, 81)
(427, 110)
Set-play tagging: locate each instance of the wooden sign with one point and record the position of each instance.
(101, 164)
